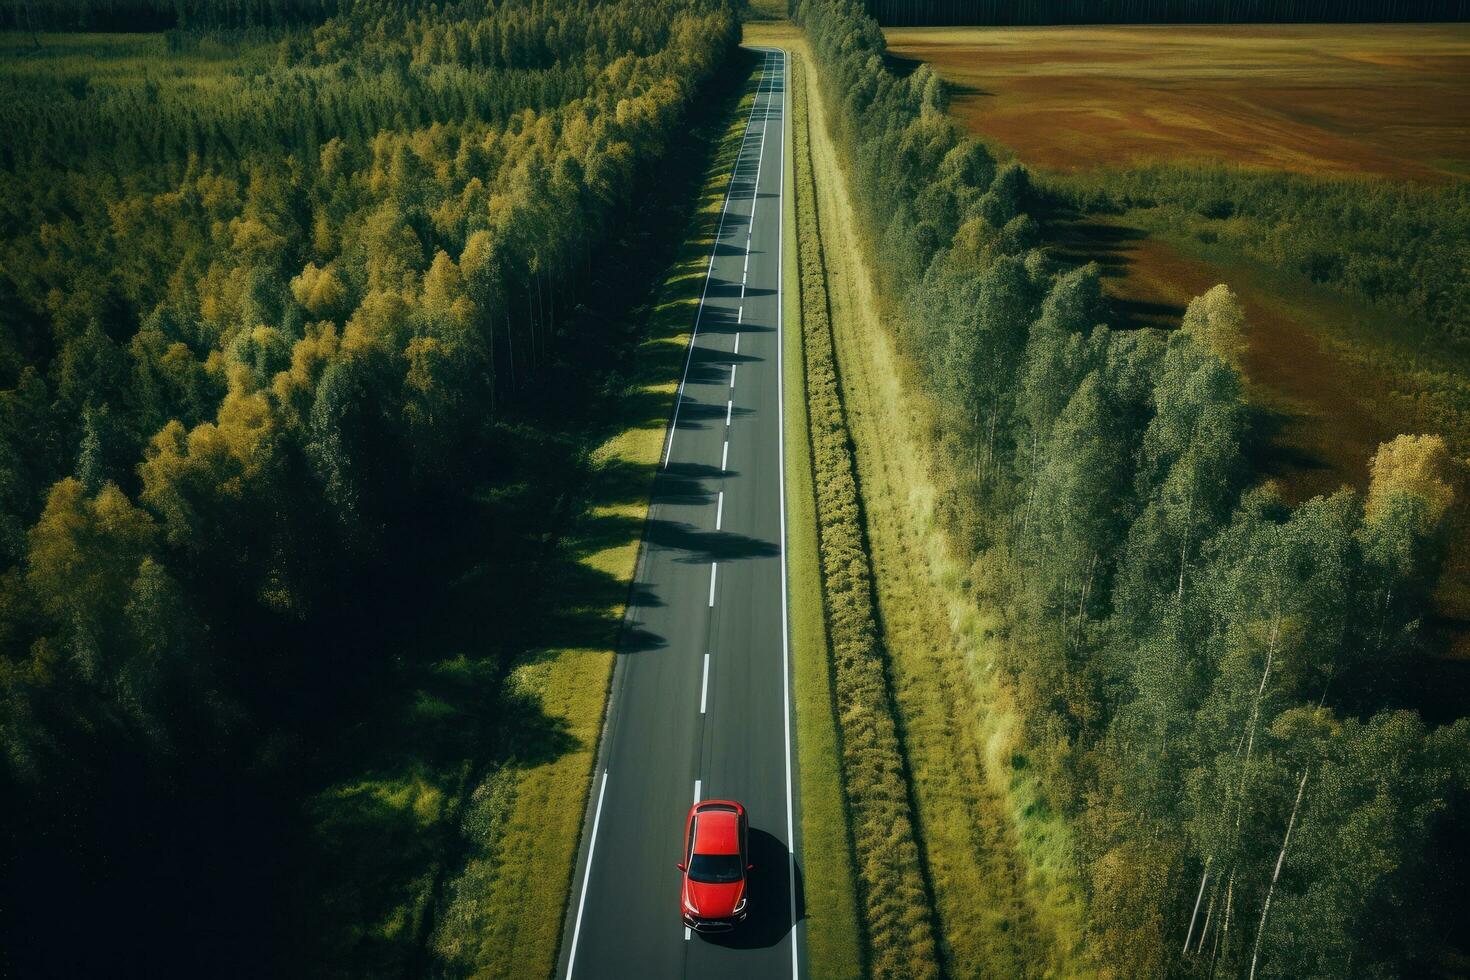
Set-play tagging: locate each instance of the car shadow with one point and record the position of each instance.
(770, 902)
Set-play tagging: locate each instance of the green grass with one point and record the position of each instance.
(834, 940)
(999, 860)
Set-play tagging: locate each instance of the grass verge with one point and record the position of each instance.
(894, 891)
(834, 940)
(1006, 894)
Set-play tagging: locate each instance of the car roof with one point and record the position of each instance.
(718, 831)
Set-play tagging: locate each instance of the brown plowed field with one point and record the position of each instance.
(1391, 100)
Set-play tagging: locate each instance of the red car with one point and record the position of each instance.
(714, 866)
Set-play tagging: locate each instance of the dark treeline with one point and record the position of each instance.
(1398, 245)
(1037, 12)
(158, 15)
(267, 323)
(1203, 672)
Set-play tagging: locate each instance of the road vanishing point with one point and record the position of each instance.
(701, 694)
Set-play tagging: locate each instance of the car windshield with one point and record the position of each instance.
(715, 869)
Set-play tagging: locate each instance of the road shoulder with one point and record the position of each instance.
(833, 937)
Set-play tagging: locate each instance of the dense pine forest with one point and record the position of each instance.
(1211, 681)
(1036, 12)
(278, 309)
(157, 15)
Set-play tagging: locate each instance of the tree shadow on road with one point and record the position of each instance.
(702, 546)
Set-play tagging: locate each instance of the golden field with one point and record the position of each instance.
(1390, 100)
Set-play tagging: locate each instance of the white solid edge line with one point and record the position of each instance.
(710, 269)
(586, 876)
(719, 509)
(714, 569)
(704, 686)
(696, 791)
(781, 471)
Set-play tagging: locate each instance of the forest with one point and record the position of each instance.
(278, 310)
(159, 15)
(1210, 680)
(913, 13)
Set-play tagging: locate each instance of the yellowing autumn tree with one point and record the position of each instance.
(1411, 469)
(1217, 321)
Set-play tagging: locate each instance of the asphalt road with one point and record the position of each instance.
(700, 704)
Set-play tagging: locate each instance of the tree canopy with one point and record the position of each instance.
(1199, 666)
(271, 298)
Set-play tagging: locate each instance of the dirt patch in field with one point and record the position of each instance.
(1323, 407)
(1376, 99)
(1325, 416)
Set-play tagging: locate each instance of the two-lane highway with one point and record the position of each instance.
(700, 706)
